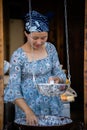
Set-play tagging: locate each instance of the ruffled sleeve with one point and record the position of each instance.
(13, 89)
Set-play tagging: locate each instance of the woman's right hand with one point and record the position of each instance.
(31, 118)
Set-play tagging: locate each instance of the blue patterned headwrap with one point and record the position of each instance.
(36, 22)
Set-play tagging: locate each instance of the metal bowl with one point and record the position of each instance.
(53, 120)
(52, 89)
(47, 121)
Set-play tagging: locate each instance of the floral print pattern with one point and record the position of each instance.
(21, 83)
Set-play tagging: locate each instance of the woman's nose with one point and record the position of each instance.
(39, 41)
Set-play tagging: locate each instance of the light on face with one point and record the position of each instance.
(39, 36)
(37, 39)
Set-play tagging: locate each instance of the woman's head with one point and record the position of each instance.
(36, 22)
(36, 29)
(37, 39)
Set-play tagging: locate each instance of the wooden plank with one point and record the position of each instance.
(85, 66)
(1, 67)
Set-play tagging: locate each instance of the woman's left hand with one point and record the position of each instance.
(54, 79)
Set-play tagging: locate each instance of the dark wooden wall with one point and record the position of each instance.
(1, 67)
(85, 66)
(76, 49)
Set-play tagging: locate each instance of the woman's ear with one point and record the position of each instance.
(25, 33)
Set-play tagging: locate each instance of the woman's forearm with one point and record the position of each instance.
(31, 118)
(22, 105)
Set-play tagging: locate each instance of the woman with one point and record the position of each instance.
(34, 62)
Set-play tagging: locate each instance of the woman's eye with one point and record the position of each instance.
(34, 38)
(43, 38)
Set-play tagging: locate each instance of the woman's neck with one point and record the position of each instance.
(37, 54)
(30, 48)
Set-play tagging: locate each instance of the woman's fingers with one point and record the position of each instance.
(32, 120)
(54, 79)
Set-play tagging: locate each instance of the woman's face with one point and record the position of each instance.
(37, 39)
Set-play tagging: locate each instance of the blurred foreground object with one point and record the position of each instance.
(6, 66)
(69, 95)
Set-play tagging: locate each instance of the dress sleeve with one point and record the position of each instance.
(57, 71)
(13, 89)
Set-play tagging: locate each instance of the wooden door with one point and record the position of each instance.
(85, 66)
(1, 67)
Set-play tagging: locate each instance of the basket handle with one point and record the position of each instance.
(71, 92)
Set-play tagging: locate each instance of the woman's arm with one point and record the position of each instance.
(13, 91)
(58, 74)
(31, 119)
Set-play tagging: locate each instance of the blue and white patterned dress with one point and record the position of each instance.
(21, 82)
